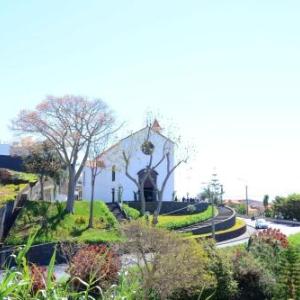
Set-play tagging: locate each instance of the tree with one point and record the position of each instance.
(287, 207)
(165, 158)
(42, 159)
(159, 252)
(70, 123)
(96, 165)
(266, 201)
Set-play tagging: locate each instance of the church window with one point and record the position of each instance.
(113, 173)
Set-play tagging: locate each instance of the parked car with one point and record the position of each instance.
(261, 224)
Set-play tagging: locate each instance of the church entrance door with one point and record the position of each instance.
(149, 188)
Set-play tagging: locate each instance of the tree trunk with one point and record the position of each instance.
(91, 223)
(158, 208)
(142, 199)
(71, 191)
(54, 190)
(42, 187)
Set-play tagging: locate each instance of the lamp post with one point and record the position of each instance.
(211, 195)
(247, 200)
(246, 195)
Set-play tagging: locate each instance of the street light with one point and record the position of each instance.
(213, 192)
(246, 195)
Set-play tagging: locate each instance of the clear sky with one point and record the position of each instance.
(226, 72)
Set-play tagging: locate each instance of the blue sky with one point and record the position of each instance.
(226, 72)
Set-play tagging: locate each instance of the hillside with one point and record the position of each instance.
(53, 224)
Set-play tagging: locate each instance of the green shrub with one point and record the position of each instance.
(191, 208)
(132, 213)
(176, 268)
(289, 274)
(287, 207)
(80, 220)
(97, 265)
(9, 192)
(254, 281)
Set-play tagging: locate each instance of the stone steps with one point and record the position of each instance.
(117, 212)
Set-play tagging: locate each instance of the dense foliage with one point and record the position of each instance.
(287, 207)
(165, 266)
(159, 253)
(96, 264)
(132, 213)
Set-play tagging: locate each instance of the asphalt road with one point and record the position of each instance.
(285, 229)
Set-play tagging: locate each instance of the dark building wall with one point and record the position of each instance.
(11, 162)
(175, 208)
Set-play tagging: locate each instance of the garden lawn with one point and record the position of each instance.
(239, 223)
(175, 222)
(9, 192)
(53, 224)
(294, 239)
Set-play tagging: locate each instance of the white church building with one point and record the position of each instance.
(112, 184)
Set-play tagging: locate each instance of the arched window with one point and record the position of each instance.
(113, 173)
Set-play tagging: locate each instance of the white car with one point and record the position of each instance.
(261, 224)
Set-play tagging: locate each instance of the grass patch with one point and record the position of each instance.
(175, 222)
(53, 224)
(294, 239)
(9, 192)
(239, 223)
(131, 212)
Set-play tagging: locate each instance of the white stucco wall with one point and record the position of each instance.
(138, 161)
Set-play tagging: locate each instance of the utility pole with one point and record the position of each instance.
(211, 194)
(221, 195)
(247, 200)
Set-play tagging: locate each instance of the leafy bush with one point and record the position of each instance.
(289, 274)
(227, 286)
(128, 288)
(254, 281)
(37, 283)
(274, 237)
(131, 212)
(287, 207)
(39, 278)
(269, 213)
(96, 265)
(191, 208)
(241, 209)
(160, 271)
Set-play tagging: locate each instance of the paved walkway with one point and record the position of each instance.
(223, 214)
